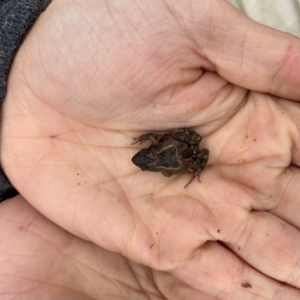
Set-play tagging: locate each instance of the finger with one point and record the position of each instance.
(276, 188)
(291, 111)
(41, 256)
(263, 240)
(213, 270)
(246, 53)
(270, 245)
(286, 203)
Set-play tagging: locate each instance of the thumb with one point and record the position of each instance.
(247, 53)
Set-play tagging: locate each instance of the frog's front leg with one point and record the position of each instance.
(145, 137)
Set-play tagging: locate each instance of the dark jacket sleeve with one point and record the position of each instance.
(16, 17)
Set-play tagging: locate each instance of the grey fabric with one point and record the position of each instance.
(16, 17)
(283, 15)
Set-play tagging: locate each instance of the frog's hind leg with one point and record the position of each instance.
(192, 178)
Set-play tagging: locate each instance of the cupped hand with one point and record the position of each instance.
(92, 75)
(40, 260)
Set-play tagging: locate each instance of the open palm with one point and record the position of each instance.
(92, 75)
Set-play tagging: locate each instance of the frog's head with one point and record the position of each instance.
(142, 159)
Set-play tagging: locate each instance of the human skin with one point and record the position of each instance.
(40, 260)
(91, 75)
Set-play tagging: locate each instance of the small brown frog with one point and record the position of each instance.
(172, 153)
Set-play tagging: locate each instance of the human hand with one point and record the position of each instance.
(90, 76)
(41, 260)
